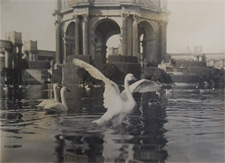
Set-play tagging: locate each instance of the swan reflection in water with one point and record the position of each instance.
(78, 140)
(73, 137)
(140, 139)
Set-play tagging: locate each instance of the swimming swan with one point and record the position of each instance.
(116, 102)
(58, 106)
(50, 101)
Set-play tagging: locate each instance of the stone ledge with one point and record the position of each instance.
(123, 59)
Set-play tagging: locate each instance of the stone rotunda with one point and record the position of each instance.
(83, 28)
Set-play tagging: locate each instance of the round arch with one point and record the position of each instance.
(146, 42)
(103, 30)
(69, 40)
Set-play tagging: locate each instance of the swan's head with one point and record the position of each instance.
(55, 85)
(130, 77)
(64, 89)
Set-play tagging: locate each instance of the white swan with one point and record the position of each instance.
(50, 101)
(116, 102)
(58, 106)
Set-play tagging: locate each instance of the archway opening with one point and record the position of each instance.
(69, 40)
(146, 46)
(106, 31)
(113, 44)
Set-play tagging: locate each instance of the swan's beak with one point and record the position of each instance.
(133, 78)
(59, 85)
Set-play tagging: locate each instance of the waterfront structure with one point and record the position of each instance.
(11, 57)
(32, 53)
(216, 60)
(23, 63)
(84, 26)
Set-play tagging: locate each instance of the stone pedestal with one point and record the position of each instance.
(126, 64)
(57, 74)
(72, 74)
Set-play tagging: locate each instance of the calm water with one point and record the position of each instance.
(184, 125)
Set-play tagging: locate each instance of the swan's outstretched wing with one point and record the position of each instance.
(94, 72)
(142, 86)
(111, 88)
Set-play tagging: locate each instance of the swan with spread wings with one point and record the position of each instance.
(117, 102)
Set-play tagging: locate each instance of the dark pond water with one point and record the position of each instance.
(184, 125)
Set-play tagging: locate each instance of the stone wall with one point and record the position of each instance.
(126, 64)
(72, 74)
(38, 65)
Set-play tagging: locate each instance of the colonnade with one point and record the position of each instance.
(86, 35)
(86, 40)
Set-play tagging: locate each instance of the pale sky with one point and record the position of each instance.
(191, 22)
(196, 22)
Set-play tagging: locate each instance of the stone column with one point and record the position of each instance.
(76, 37)
(165, 40)
(58, 42)
(92, 44)
(30, 56)
(59, 4)
(124, 35)
(135, 37)
(85, 35)
(35, 56)
(8, 59)
(161, 41)
(64, 48)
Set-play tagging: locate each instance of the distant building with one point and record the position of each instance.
(216, 60)
(197, 49)
(11, 58)
(30, 66)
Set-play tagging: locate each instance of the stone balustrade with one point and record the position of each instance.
(156, 4)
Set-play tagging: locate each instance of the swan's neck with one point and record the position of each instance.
(127, 90)
(63, 99)
(56, 98)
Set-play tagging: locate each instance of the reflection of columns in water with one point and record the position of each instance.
(76, 32)
(135, 37)
(59, 149)
(114, 151)
(151, 148)
(85, 34)
(124, 35)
